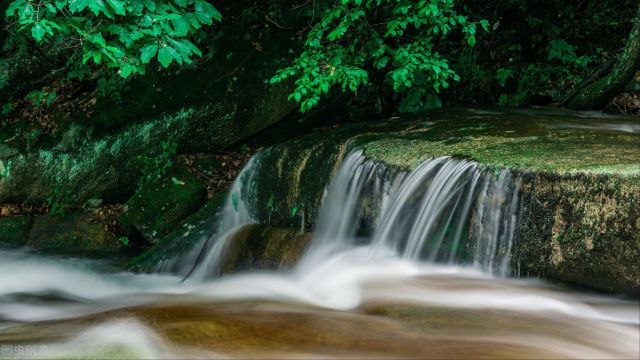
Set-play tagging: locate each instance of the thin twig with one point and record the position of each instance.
(276, 24)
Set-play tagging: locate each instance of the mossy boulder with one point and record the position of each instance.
(73, 233)
(166, 255)
(291, 176)
(262, 247)
(581, 229)
(7, 151)
(160, 205)
(14, 230)
(206, 108)
(579, 173)
(541, 140)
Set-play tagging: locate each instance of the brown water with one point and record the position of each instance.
(429, 312)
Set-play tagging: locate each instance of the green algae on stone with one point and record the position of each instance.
(551, 141)
(582, 229)
(291, 179)
(162, 204)
(72, 234)
(14, 230)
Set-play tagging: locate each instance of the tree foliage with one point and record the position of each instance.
(125, 35)
(411, 55)
(395, 43)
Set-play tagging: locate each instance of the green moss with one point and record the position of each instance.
(560, 142)
(106, 166)
(293, 175)
(14, 230)
(161, 205)
(72, 234)
(581, 229)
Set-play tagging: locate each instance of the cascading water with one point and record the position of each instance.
(204, 261)
(446, 210)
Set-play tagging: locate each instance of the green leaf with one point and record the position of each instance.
(177, 182)
(38, 31)
(148, 52)
(211, 11)
(150, 4)
(60, 4)
(471, 40)
(165, 57)
(117, 6)
(97, 57)
(15, 6)
(181, 26)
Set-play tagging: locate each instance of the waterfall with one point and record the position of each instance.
(205, 260)
(445, 211)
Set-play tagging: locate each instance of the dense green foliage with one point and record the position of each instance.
(358, 42)
(541, 48)
(386, 55)
(121, 34)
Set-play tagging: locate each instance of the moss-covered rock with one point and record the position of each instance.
(203, 109)
(580, 176)
(72, 234)
(166, 254)
(161, 205)
(14, 230)
(553, 141)
(262, 247)
(582, 229)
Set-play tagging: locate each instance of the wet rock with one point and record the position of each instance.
(166, 255)
(581, 229)
(71, 234)
(580, 173)
(262, 247)
(158, 208)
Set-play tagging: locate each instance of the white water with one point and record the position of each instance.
(422, 214)
(402, 257)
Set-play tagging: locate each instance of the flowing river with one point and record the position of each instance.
(430, 277)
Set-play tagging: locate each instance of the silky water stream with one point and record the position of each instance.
(401, 264)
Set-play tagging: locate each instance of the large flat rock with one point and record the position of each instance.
(578, 173)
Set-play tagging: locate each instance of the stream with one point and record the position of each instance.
(401, 265)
